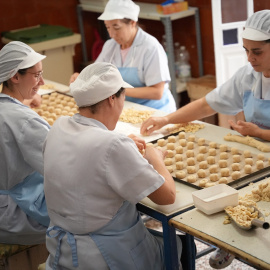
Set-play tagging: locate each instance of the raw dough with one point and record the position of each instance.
(190, 145)
(192, 178)
(211, 160)
(213, 177)
(223, 163)
(161, 142)
(200, 157)
(201, 141)
(179, 165)
(191, 169)
(178, 157)
(224, 172)
(201, 173)
(170, 146)
(168, 161)
(179, 150)
(190, 153)
(180, 174)
(191, 161)
(171, 139)
(236, 167)
(236, 158)
(236, 175)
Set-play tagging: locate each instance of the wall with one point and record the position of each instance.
(19, 14)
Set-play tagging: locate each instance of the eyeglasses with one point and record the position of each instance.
(38, 75)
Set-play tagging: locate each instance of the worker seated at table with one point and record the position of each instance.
(139, 57)
(94, 177)
(23, 213)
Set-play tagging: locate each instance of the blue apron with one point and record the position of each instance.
(124, 242)
(29, 196)
(256, 110)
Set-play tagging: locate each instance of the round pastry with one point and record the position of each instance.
(213, 169)
(249, 161)
(161, 142)
(202, 149)
(190, 145)
(45, 101)
(236, 175)
(213, 145)
(43, 106)
(170, 169)
(54, 94)
(213, 177)
(203, 182)
(211, 160)
(74, 110)
(236, 167)
(209, 184)
(224, 172)
(191, 138)
(46, 114)
(149, 144)
(248, 169)
(236, 158)
(192, 178)
(64, 112)
(223, 148)
(201, 141)
(180, 174)
(200, 157)
(178, 157)
(212, 152)
(50, 109)
(190, 153)
(182, 135)
(247, 154)
(183, 142)
(70, 114)
(64, 102)
(179, 150)
(234, 151)
(259, 164)
(191, 161)
(45, 97)
(223, 163)
(203, 165)
(171, 139)
(57, 111)
(179, 165)
(170, 146)
(70, 104)
(50, 121)
(59, 106)
(201, 173)
(67, 108)
(191, 169)
(223, 180)
(260, 157)
(53, 116)
(223, 155)
(170, 153)
(168, 161)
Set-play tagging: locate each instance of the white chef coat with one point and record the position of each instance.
(228, 98)
(23, 133)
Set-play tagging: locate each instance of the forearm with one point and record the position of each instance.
(263, 134)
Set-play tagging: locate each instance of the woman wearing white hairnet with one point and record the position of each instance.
(248, 90)
(92, 186)
(23, 212)
(139, 57)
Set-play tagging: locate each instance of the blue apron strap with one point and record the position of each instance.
(60, 233)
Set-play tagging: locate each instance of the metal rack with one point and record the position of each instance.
(148, 11)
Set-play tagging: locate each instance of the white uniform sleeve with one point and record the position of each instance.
(128, 173)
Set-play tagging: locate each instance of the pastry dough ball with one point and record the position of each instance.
(168, 161)
(170, 153)
(179, 165)
(213, 145)
(260, 157)
(171, 139)
(191, 138)
(57, 111)
(180, 174)
(50, 121)
(201, 173)
(149, 144)
(192, 178)
(203, 182)
(236, 158)
(53, 103)
(203, 165)
(213, 169)
(170, 169)
(70, 104)
(223, 148)
(249, 161)
(39, 111)
(74, 110)
(202, 149)
(213, 177)
(234, 151)
(201, 141)
(211, 160)
(259, 164)
(183, 142)
(45, 101)
(67, 108)
(45, 96)
(64, 112)
(64, 102)
(248, 169)
(190, 145)
(66, 98)
(53, 116)
(224, 172)
(236, 167)
(236, 175)
(54, 94)
(60, 106)
(223, 163)
(209, 184)
(182, 135)
(170, 146)
(212, 152)
(191, 161)
(161, 142)
(200, 157)
(178, 157)
(190, 153)
(43, 106)
(46, 114)
(223, 155)
(247, 154)
(191, 169)
(50, 109)
(179, 150)
(223, 180)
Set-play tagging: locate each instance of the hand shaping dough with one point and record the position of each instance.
(248, 141)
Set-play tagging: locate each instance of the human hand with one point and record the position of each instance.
(34, 102)
(245, 128)
(73, 77)
(138, 141)
(154, 155)
(152, 124)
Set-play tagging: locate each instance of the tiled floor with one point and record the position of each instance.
(202, 263)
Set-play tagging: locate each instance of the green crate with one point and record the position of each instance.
(38, 34)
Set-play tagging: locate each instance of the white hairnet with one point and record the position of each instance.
(257, 26)
(14, 56)
(97, 82)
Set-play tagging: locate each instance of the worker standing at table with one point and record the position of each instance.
(93, 179)
(139, 57)
(248, 90)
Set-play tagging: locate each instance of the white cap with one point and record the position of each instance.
(120, 9)
(97, 82)
(14, 56)
(257, 27)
